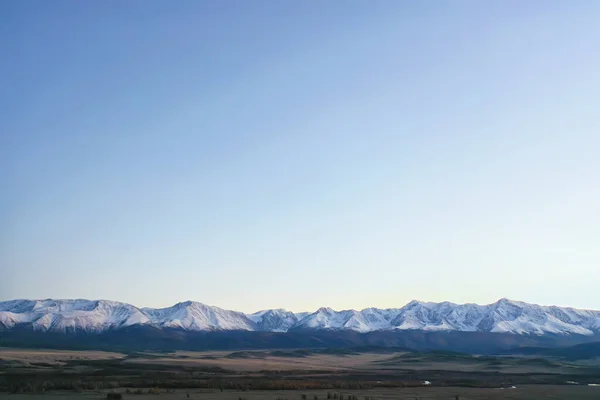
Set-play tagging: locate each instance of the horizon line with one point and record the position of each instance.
(301, 312)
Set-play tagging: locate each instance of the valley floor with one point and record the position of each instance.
(338, 374)
(527, 392)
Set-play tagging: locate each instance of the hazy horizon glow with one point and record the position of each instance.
(277, 155)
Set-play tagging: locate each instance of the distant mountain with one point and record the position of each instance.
(198, 317)
(367, 320)
(279, 320)
(302, 315)
(98, 316)
(70, 315)
(503, 316)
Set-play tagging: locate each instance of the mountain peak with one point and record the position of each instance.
(325, 310)
(414, 303)
(506, 301)
(504, 315)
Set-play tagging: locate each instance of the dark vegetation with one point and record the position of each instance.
(143, 338)
(311, 352)
(142, 378)
(577, 352)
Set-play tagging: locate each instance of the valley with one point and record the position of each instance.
(293, 374)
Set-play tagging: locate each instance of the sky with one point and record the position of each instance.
(274, 154)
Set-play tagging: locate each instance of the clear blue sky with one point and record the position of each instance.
(300, 154)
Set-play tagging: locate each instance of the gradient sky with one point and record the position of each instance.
(300, 154)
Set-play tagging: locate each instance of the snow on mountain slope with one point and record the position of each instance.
(302, 315)
(197, 316)
(69, 315)
(522, 318)
(325, 318)
(369, 319)
(438, 316)
(503, 316)
(279, 320)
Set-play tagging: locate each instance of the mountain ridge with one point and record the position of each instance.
(96, 316)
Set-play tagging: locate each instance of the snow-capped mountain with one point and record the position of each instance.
(70, 315)
(325, 318)
(195, 316)
(279, 320)
(503, 316)
(367, 320)
(302, 315)
(100, 315)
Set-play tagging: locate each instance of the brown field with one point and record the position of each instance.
(314, 362)
(58, 357)
(257, 361)
(245, 375)
(367, 362)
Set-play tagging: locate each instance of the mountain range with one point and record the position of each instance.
(101, 316)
